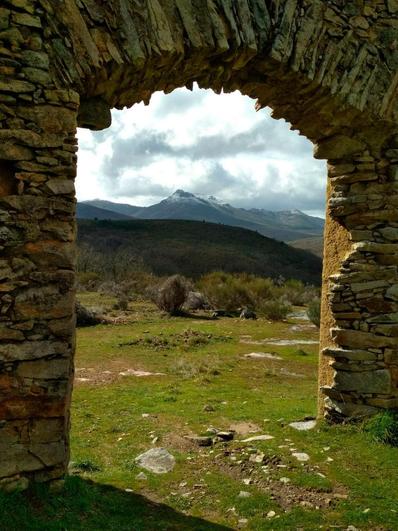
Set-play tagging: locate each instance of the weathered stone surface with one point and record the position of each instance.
(337, 147)
(363, 382)
(357, 339)
(350, 410)
(94, 114)
(156, 460)
(31, 350)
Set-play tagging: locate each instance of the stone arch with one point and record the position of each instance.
(329, 68)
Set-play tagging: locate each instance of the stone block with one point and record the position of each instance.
(45, 303)
(352, 355)
(28, 407)
(31, 350)
(355, 339)
(338, 147)
(392, 293)
(47, 430)
(350, 409)
(373, 382)
(47, 369)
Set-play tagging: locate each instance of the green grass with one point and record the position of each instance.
(354, 478)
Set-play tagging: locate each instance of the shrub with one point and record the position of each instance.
(383, 427)
(275, 310)
(88, 280)
(224, 290)
(314, 312)
(297, 293)
(86, 465)
(172, 294)
(122, 304)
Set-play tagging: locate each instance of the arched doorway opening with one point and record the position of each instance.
(303, 62)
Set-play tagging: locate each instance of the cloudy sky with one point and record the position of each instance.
(203, 143)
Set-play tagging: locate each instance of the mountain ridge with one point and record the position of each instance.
(284, 225)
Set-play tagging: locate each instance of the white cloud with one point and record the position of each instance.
(203, 143)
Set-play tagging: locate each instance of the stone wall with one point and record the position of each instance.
(329, 67)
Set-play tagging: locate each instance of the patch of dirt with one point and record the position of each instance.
(287, 495)
(178, 442)
(278, 342)
(140, 374)
(102, 376)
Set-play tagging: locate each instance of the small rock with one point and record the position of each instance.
(257, 458)
(200, 441)
(271, 514)
(258, 438)
(247, 481)
(242, 522)
(244, 494)
(352, 528)
(156, 460)
(301, 456)
(285, 480)
(305, 425)
(128, 490)
(208, 407)
(307, 504)
(226, 435)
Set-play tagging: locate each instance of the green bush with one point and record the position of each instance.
(383, 427)
(225, 291)
(314, 312)
(297, 293)
(232, 291)
(275, 310)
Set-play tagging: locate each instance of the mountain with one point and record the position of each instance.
(193, 248)
(283, 225)
(313, 245)
(87, 211)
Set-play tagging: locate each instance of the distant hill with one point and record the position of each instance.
(313, 245)
(194, 248)
(87, 211)
(284, 225)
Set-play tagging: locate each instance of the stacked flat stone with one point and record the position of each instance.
(327, 66)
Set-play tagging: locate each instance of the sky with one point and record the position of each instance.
(203, 143)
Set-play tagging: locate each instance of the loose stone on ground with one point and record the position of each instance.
(156, 460)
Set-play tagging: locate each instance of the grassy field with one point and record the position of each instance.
(204, 380)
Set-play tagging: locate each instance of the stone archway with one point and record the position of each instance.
(330, 68)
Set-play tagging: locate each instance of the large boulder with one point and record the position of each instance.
(86, 317)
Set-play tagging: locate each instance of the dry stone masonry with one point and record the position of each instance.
(330, 67)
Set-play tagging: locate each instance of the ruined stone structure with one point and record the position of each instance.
(327, 66)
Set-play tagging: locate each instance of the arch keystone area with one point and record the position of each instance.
(328, 67)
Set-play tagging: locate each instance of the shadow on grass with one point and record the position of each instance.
(83, 504)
